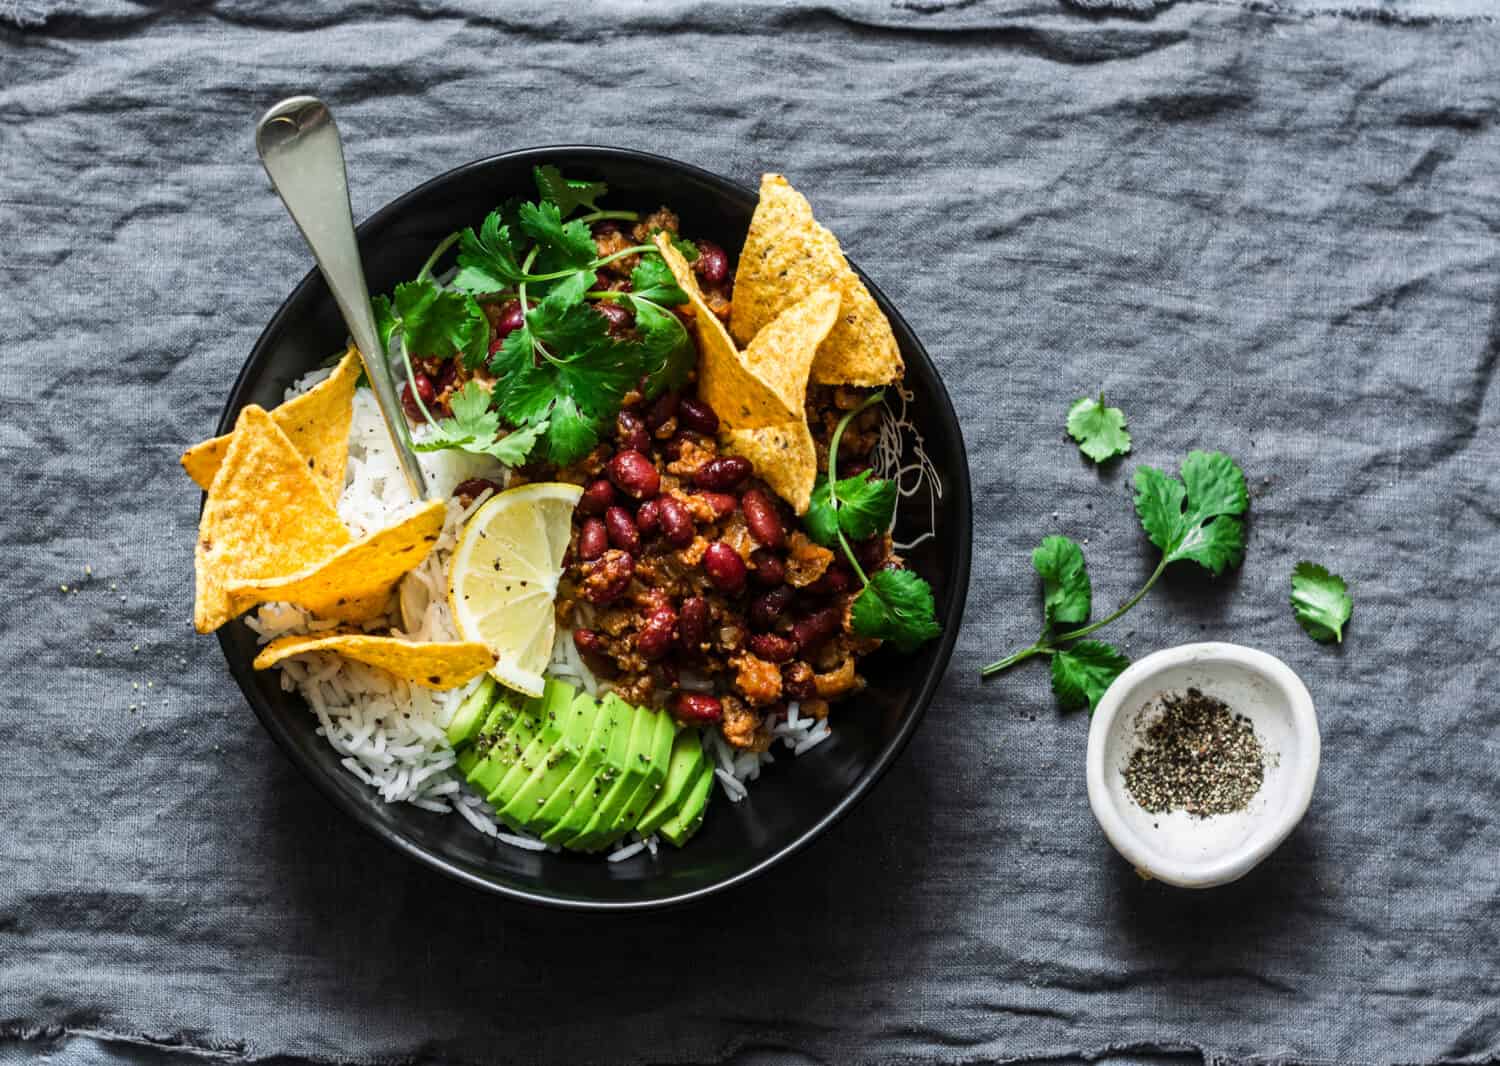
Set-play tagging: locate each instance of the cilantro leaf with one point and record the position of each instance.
(569, 244)
(665, 346)
(487, 260)
(1067, 594)
(434, 321)
(866, 506)
(475, 428)
(569, 195)
(1081, 674)
(1320, 601)
(1099, 430)
(1196, 520)
(895, 606)
(385, 320)
(653, 280)
(571, 434)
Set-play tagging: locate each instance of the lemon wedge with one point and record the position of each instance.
(503, 578)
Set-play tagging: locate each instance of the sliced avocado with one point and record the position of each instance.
(682, 773)
(576, 799)
(556, 713)
(465, 724)
(466, 760)
(625, 769)
(681, 826)
(537, 792)
(503, 746)
(654, 760)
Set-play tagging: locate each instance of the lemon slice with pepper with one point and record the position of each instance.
(503, 578)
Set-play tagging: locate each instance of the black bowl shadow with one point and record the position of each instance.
(798, 799)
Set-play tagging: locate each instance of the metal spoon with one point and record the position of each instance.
(300, 148)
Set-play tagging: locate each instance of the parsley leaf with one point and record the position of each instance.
(385, 320)
(434, 321)
(1195, 518)
(475, 428)
(1066, 592)
(1320, 601)
(571, 434)
(652, 280)
(895, 606)
(1081, 674)
(565, 244)
(665, 344)
(487, 260)
(1099, 430)
(865, 506)
(568, 194)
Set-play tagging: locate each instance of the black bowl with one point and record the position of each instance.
(796, 799)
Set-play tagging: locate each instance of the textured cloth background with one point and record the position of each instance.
(1268, 230)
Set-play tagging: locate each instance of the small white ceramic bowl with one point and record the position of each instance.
(1177, 847)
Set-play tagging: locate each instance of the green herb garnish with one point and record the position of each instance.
(894, 605)
(1320, 601)
(1195, 519)
(1099, 430)
(475, 428)
(561, 377)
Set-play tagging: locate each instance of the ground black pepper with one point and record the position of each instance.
(1197, 756)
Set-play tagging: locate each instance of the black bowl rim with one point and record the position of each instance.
(952, 610)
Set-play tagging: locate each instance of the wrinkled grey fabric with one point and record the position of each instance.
(1270, 229)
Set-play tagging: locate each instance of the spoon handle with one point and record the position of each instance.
(300, 148)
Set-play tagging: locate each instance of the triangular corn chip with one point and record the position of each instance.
(781, 354)
(784, 458)
(355, 583)
(788, 255)
(317, 423)
(265, 515)
(431, 665)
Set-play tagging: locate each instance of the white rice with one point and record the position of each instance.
(390, 733)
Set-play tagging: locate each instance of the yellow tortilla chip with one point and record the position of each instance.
(788, 255)
(781, 354)
(784, 458)
(265, 515)
(317, 423)
(355, 583)
(431, 665)
(737, 396)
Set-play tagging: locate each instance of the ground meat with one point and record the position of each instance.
(838, 682)
(806, 561)
(757, 680)
(813, 708)
(612, 240)
(691, 457)
(744, 727)
(663, 218)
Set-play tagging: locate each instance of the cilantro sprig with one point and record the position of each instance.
(1099, 430)
(1195, 519)
(895, 606)
(562, 376)
(1320, 602)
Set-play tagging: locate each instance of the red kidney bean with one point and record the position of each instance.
(631, 432)
(648, 516)
(633, 473)
(762, 518)
(606, 578)
(598, 497)
(425, 390)
(692, 622)
(468, 490)
(797, 681)
(511, 319)
(447, 375)
(870, 552)
(812, 632)
(724, 566)
(723, 503)
(655, 638)
(768, 607)
(661, 410)
(676, 522)
(697, 416)
(770, 568)
(593, 539)
(620, 317)
(723, 473)
(835, 581)
(621, 529)
(588, 641)
(771, 648)
(712, 264)
(695, 708)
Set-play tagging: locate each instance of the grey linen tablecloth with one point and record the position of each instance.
(1270, 229)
